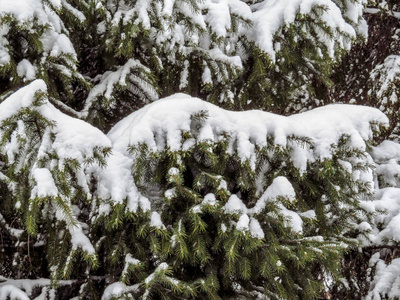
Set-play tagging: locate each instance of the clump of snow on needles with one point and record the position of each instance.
(12, 292)
(117, 289)
(161, 124)
(269, 16)
(45, 185)
(74, 138)
(30, 14)
(23, 10)
(327, 124)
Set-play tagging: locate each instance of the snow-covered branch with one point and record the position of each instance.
(370, 10)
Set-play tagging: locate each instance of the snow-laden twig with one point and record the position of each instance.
(370, 10)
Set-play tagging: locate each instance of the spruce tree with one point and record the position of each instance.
(108, 192)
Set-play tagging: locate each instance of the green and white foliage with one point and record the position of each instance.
(239, 207)
(44, 160)
(297, 44)
(34, 43)
(385, 87)
(383, 238)
(226, 204)
(368, 73)
(377, 258)
(152, 48)
(240, 54)
(183, 199)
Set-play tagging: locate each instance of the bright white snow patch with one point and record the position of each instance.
(235, 205)
(209, 199)
(255, 229)
(26, 69)
(12, 292)
(45, 186)
(243, 223)
(155, 220)
(327, 124)
(80, 240)
(280, 187)
(385, 151)
(117, 289)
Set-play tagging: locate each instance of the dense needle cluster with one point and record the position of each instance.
(114, 182)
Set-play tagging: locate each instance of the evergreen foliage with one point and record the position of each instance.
(372, 68)
(183, 199)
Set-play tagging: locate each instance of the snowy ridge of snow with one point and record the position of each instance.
(328, 123)
(165, 120)
(161, 124)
